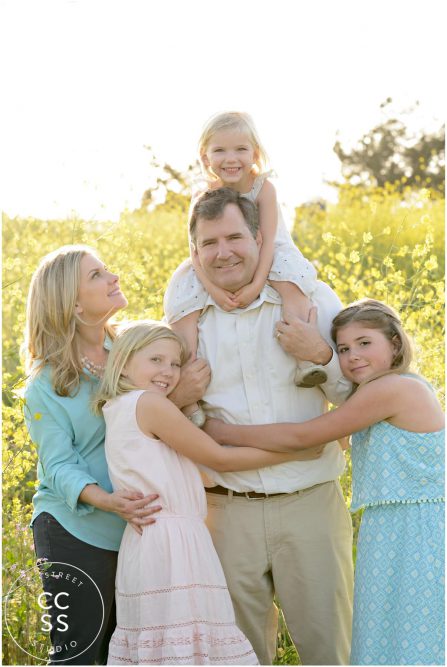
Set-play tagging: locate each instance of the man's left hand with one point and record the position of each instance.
(194, 379)
(303, 340)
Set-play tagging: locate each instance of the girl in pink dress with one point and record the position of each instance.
(173, 605)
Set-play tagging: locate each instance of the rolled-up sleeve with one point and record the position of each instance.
(62, 468)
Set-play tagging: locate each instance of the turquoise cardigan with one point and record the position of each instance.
(70, 445)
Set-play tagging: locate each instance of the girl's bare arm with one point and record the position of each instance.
(390, 397)
(268, 222)
(157, 416)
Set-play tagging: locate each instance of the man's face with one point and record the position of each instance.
(226, 249)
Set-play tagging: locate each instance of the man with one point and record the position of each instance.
(283, 530)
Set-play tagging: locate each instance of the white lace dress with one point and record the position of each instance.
(173, 605)
(186, 294)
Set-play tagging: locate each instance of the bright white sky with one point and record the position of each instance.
(87, 83)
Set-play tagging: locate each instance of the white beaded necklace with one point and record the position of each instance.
(95, 369)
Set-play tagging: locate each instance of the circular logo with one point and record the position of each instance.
(54, 610)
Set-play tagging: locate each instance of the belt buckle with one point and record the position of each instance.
(264, 497)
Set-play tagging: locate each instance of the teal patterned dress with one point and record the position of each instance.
(398, 478)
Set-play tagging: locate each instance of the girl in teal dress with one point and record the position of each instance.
(397, 477)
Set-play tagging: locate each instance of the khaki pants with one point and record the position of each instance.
(299, 547)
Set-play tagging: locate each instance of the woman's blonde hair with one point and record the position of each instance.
(377, 315)
(130, 338)
(51, 321)
(232, 120)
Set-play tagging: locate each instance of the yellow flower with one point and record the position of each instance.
(37, 416)
(432, 263)
(403, 251)
(354, 257)
(328, 238)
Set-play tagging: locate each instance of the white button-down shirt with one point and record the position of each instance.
(252, 383)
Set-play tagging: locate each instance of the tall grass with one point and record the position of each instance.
(372, 243)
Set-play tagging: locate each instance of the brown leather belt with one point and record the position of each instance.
(251, 495)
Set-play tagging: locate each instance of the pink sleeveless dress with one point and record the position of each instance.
(173, 605)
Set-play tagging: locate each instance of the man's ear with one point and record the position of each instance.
(193, 248)
(194, 256)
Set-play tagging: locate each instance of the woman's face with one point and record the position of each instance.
(99, 295)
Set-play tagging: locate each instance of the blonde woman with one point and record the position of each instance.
(78, 520)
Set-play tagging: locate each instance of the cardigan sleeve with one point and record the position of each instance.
(62, 468)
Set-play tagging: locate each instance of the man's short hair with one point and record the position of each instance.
(211, 205)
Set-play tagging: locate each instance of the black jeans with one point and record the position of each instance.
(80, 608)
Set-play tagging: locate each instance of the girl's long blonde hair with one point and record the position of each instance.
(130, 338)
(377, 315)
(232, 120)
(50, 335)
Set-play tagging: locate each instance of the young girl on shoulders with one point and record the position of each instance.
(397, 477)
(173, 605)
(231, 155)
